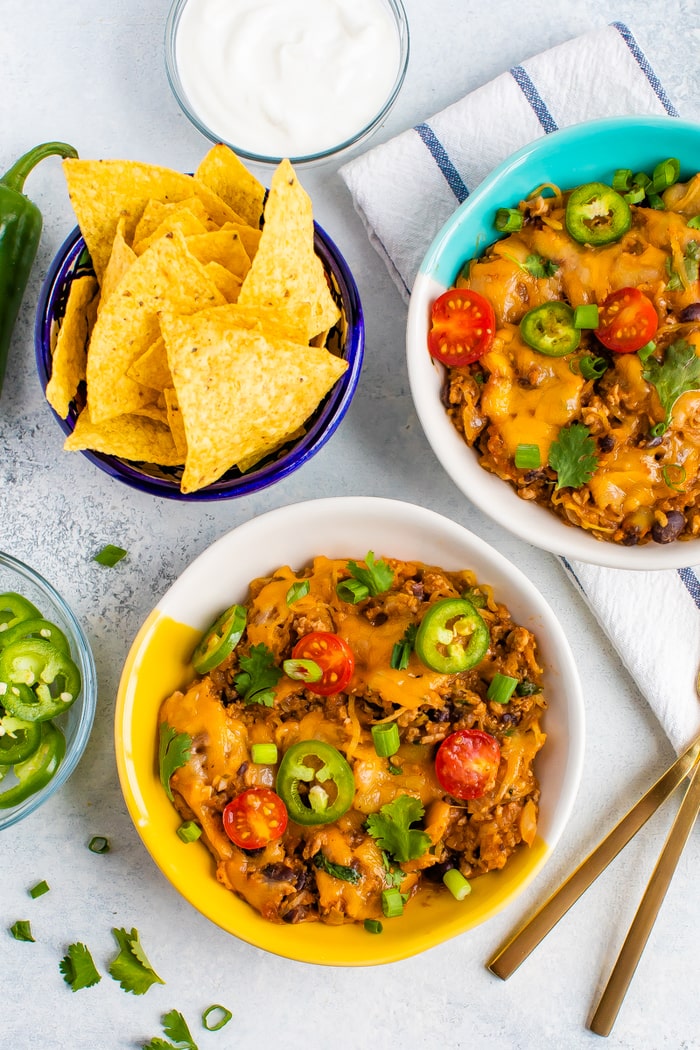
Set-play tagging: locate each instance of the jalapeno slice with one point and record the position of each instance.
(220, 639)
(34, 773)
(18, 739)
(549, 328)
(37, 680)
(596, 214)
(452, 636)
(315, 782)
(13, 609)
(35, 627)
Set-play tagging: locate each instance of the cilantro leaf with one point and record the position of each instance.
(78, 969)
(539, 266)
(401, 652)
(391, 827)
(175, 1027)
(173, 751)
(259, 674)
(376, 576)
(677, 373)
(573, 456)
(131, 967)
(158, 1044)
(338, 871)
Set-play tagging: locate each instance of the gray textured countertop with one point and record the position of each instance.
(93, 74)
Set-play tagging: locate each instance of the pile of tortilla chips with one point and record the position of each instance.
(200, 339)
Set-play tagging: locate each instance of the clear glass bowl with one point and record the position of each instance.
(394, 8)
(76, 722)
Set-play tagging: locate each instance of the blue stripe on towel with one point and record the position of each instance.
(534, 98)
(692, 583)
(441, 158)
(646, 69)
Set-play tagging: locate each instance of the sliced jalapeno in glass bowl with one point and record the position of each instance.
(51, 667)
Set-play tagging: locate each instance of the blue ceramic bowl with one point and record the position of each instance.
(76, 722)
(582, 153)
(347, 339)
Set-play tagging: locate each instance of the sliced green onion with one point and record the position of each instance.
(659, 429)
(39, 890)
(635, 195)
(220, 1012)
(656, 202)
(189, 831)
(622, 180)
(456, 883)
(22, 930)
(665, 174)
(593, 367)
(373, 926)
(694, 223)
(392, 902)
(264, 754)
(298, 590)
(501, 688)
(109, 555)
(386, 739)
(641, 179)
(646, 351)
(98, 844)
(400, 655)
(528, 457)
(674, 475)
(508, 220)
(352, 591)
(302, 670)
(586, 316)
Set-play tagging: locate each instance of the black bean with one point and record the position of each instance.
(606, 443)
(691, 313)
(675, 523)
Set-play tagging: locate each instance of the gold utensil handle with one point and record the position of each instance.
(631, 951)
(508, 959)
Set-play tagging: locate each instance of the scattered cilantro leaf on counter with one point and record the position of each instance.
(173, 751)
(131, 966)
(573, 456)
(377, 576)
(22, 930)
(338, 871)
(391, 827)
(175, 1027)
(109, 555)
(258, 675)
(78, 969)
(677, 373)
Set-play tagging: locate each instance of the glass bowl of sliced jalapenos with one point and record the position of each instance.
(553, 343)
(48, 690)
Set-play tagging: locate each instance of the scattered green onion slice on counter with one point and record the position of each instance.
(508, 220)
(22, 930)
(586, 316)
(109, 555)
(189, 831)
(373, 926)
(39, 890)
(392, 902)
(501, 688)
(593, 367)
(528, 457)
(386, 739)
(456, 883)
(98, 844)
(264, 754)
(221, 1014)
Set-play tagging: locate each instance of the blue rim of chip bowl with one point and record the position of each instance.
(88, 698)
(171, 26)
(325, 421)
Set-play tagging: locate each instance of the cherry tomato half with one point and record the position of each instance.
(627, 321)
(333, 655)
(463, 326)
(467, 762)
(254, 818)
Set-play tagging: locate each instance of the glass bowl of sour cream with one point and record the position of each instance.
(303, 79)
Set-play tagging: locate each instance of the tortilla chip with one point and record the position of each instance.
(131, 437)
(286, 266)
(151, 368)
(177, 427)
(102, 191)
(239, 391)
(181, 218)
(228, 284)
(276, 322)
(249, 237)
(70, 353)
(263, 451)
(221, 246)
(156, 212)
(227, 176)
(128, 324)
(120, 260)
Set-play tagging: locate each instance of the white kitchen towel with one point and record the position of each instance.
(405, 190)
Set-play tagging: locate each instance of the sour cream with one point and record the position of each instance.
(287, 78)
